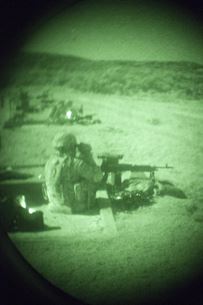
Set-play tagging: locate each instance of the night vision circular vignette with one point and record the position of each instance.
(101, 154)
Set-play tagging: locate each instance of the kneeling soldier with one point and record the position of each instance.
(71, 176)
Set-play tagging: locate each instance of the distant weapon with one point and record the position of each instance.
(12, 173)
(20, 166)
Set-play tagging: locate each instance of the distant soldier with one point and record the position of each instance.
(58, 113)
(73, 112)
(65, 112)
(71, 176)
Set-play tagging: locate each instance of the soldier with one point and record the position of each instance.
(71, 176)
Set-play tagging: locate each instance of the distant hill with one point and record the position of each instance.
(108, 77)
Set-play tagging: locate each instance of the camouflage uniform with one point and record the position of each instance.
(70, 182)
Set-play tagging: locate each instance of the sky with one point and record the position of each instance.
(120, 30)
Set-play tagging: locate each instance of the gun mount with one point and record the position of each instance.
(110, 164)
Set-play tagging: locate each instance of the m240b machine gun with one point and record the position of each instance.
(135, 188)
(110, 165)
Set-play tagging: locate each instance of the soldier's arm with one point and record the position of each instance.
(88, 170)
(85, 165)
(53, 171)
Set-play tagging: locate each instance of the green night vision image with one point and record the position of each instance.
(101, 153)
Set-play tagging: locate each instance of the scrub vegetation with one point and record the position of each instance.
(183, 79)
(153, 114)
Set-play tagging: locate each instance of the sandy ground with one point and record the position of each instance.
(157, 247)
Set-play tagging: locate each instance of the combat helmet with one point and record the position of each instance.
(65, 141)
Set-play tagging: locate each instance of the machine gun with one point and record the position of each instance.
(110, 165)
(131, 190)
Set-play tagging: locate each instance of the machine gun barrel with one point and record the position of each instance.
(108, 167)
(149, 168)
